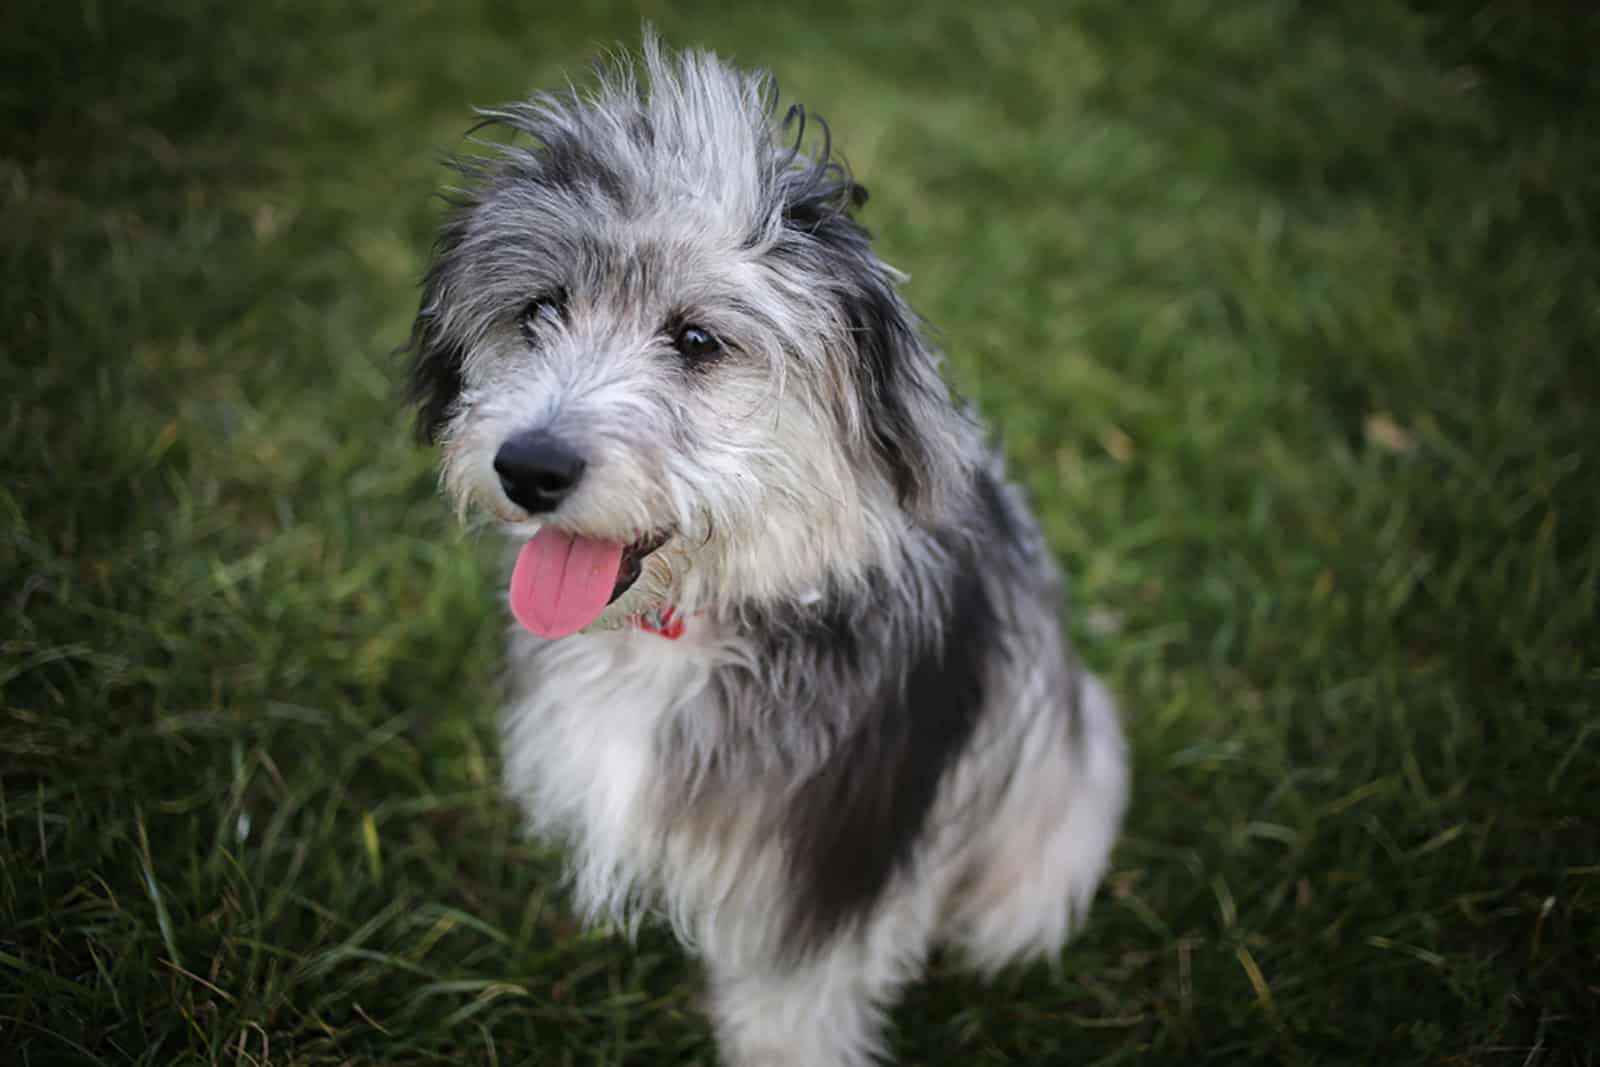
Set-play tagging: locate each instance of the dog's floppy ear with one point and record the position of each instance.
(434, 379)
(905, 402)
(905, 406)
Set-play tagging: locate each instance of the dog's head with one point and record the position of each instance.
(654, 344)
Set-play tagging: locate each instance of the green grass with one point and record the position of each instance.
(1290, 322)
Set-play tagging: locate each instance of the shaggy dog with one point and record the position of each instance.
(789, 670)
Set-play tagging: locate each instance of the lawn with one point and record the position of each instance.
(1290, 321)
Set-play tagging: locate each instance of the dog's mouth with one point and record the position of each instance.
(633, 557)
(562, 582)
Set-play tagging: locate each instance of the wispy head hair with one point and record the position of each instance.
(666, 126)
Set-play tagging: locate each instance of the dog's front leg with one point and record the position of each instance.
(826, 1011)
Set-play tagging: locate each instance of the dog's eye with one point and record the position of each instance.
(543, 310)
(696, 344)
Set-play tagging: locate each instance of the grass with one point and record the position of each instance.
(1290, 321)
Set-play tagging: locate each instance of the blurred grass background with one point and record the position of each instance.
(1288, 318)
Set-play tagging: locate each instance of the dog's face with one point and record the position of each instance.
(655, 347)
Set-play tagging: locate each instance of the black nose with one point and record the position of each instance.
(537, 471)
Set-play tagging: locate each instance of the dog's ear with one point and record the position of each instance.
(906, 406)
(437, 355)
(906, 415)
(434, 380)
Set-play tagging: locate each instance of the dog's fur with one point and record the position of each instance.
(871, 739)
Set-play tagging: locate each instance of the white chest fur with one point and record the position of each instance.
(581, 747)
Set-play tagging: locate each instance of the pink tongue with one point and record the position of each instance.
(562, 583)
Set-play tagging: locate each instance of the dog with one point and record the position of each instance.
(788, 669)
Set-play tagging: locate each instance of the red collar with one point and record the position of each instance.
(663, 621)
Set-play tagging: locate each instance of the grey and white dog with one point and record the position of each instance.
(789, 671)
